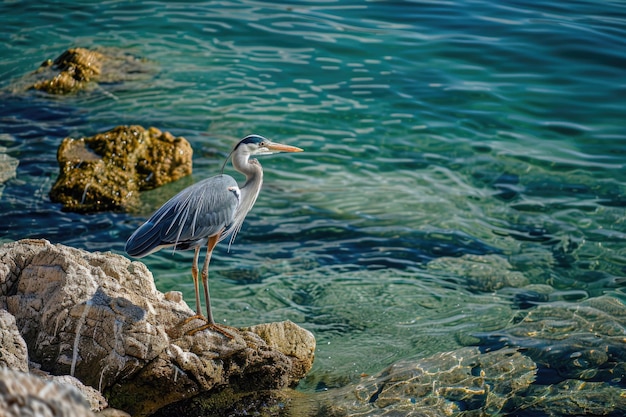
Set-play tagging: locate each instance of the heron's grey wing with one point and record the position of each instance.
(189, 218)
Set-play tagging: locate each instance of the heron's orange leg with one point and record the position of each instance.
(196, 288)
(210, 323)
(194, 274)
(205, 275)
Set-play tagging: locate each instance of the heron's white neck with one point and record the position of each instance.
(249, 191)
(251, 168)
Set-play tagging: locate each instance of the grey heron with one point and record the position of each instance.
(206, 213)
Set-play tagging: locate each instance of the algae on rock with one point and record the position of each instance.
(107, 171)
(78, 68)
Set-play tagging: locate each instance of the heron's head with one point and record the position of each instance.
(258, 145)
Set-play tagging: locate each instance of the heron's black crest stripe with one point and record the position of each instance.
(247, 140)
(251, 139)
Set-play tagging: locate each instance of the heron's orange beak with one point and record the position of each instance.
(279, 147)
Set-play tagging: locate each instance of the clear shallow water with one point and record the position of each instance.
(431, 129)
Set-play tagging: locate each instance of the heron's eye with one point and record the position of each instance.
(262, 144)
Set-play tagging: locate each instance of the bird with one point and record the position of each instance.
(205, 213)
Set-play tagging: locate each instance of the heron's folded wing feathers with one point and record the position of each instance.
(189, 218)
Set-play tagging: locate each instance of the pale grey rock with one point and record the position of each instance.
(99, 317)
(13, 350)
(94, 398)
(26, 395)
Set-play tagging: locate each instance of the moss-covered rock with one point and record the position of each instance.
(465, 382)
(107, 171)
(77, 68)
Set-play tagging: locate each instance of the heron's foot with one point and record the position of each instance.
(207, 326)
(211, 326)
(192, 318)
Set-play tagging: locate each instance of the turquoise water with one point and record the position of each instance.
(432, 129)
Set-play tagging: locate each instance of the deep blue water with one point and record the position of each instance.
(432, 129)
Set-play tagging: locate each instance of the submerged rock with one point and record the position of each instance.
(484, 273)
(8, 168)
(463, 382)
(567, 340)
(98, 317)
(8, 165)
(107, 171)
(78, 68)
(574, 398)
(476, 382)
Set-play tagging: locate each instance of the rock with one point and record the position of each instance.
(77, 68)
(22, 394)
(485, 273)
(254, 403)
(287, 339)
(94, 398)
(13, 350)
(582, 340)
(8, 168)
(107, 171)
(463, 381)
(575, 398)
(8, 165)
(99, 317)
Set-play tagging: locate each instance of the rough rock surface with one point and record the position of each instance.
(286, 338)
(77, 68)
(98, 317)
(107, 171)
(22, 394)
(13, 350)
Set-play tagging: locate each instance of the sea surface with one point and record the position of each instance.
(435, 132)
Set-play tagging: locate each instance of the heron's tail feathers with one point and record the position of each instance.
(144, 241)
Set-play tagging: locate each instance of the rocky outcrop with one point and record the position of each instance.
(22, 394)
(98, 317)
(78, 68)
(108, 170)
(13, 350)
